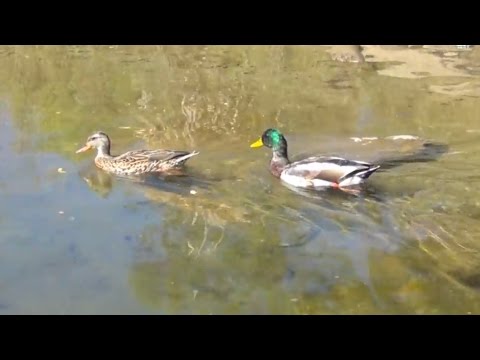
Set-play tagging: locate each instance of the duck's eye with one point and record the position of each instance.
(93, 138)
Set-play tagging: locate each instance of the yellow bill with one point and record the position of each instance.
(257, 143)
(85, 148)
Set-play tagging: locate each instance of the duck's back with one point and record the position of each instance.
(144, 161)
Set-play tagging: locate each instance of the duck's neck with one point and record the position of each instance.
(279, 160)
(104, 151)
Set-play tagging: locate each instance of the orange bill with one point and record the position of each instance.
(85, 148)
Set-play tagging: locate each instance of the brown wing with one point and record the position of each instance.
(151, 155)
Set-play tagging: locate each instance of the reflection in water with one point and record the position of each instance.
(427, 152)
(181, 183)
(98, 180)
(227, 237)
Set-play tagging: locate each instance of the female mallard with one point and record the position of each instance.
(319, 171)
(134, 162)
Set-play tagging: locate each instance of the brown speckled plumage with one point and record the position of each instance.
(135, 162)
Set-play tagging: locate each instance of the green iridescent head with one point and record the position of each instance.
(271, 138)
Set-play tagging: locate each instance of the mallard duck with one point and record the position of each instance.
(313, 172)
(134, 162)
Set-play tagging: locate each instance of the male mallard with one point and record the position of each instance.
(134, 162)
(318, 171)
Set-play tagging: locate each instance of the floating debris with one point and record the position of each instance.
(357, 139)
(450, 54)
(193, 192)
(190, 247)
(144, 100)
(61, 212)
(402, 137)
(61, 170)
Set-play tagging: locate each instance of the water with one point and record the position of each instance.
(229, 238)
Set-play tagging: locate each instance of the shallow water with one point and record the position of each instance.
(229, 238)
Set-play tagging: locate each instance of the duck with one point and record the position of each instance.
(134, 162)
(312, 172)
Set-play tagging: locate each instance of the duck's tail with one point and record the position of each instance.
(180, 160)
(358, 176)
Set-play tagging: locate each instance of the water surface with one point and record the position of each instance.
(229, 238)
